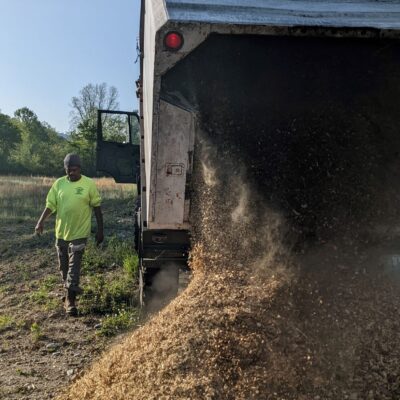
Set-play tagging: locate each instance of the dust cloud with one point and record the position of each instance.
(164, 287)
(231, 220)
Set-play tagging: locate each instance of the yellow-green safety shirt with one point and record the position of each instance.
(73, 202)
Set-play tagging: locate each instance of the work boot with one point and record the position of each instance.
(70, 306)
(64, 296)
(77, 290)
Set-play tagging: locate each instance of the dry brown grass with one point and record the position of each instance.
(109, 189)
(24, 196)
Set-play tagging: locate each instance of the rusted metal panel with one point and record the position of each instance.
(174, 140)
(337, 13)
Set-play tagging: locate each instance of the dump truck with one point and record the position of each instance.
(304, 93)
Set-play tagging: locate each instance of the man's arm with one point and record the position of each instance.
(99, 220)
(40, 224)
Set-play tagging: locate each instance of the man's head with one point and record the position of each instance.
(72, 165)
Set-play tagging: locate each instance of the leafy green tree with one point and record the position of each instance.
(91, 98)
(26, 115)
(9, 139)
(84, 120)
(40, 149)
(82, 141)
(116, 128)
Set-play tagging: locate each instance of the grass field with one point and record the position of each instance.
(32, 319)
(24, 197)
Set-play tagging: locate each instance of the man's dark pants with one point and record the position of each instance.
(70, 255)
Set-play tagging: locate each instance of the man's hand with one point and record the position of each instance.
(39, 228)
(99, 237)
(40, 224)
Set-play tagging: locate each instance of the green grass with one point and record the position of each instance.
(9, 322)
(110, 278)
(114, 252)
(42, 295)
(5, 289)
(104, 295)
(6, 322)
(36, 332)
(119, 322)
(24, 272)
(50, 282)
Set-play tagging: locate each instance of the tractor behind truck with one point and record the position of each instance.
(304, 93)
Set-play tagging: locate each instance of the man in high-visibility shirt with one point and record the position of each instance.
(72, 198)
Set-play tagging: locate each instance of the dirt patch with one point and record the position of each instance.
(40, 349)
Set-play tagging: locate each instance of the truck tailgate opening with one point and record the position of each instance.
(315, 120)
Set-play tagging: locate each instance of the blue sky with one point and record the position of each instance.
(50, 49)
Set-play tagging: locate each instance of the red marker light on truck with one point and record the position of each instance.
(173, 41)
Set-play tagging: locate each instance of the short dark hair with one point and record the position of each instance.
(72, 160)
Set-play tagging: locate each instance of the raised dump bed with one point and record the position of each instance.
(304, 94)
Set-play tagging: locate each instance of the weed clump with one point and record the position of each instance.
(6, 322)
(119, 322)
(107, 294)
(110, 285)
(115, 253)
(36, 332)
(43, 296)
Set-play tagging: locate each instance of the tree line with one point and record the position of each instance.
(29, 146)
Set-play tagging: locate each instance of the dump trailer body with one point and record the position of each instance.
(303, 94)
(175, 100)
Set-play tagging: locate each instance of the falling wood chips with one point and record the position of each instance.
(256, 323)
